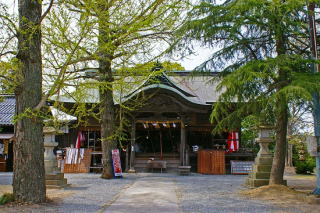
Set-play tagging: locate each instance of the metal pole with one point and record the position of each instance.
(316, 103)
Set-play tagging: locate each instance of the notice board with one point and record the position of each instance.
(116, 162)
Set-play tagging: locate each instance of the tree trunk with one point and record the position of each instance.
(107, 130)
(281, 105)
(107, 108)
(278, 164)
(29, 173)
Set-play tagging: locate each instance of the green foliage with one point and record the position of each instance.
(118, 39)
(256, 88)
(167, 66)
(6, 198)
(305, 167)
(249, 132)
(302, 161)
(262, 56)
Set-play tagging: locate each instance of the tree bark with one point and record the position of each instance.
(107, 108)
(281, 105)
(278, 163)
(29, 173)
(107, 130)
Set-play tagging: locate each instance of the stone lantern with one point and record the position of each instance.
(261, 169)
(50, 160)
(54, 177)
(265, 137)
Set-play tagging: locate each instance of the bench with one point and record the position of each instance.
(157, 164)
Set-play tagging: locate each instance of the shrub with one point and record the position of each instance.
(6, 198)
(305, 167)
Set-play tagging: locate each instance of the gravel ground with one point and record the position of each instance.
(5, 178)
(87, 193)
(196, 194)
(218, 193)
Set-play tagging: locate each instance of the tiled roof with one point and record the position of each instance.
(7, 109)
(197, 89)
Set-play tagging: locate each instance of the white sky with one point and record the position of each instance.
(189, 63)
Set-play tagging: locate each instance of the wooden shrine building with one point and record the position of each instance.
(168, 128)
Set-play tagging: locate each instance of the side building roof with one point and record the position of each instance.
(7, 109)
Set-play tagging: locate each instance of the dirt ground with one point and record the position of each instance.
(296, 194)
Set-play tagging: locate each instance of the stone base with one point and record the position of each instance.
(288, 170)
(260, 174)
(260, 182)
(56, 181)
(131, 171)
(257, 182)
(184, 170)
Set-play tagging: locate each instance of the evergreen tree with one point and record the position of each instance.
(263, 59)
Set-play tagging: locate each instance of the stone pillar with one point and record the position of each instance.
(54, 177)
(261, 169)
(132, 150)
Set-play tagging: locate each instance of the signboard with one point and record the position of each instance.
(117, 171)
(312, 145)
(241, 167)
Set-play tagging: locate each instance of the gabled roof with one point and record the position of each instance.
(7, 109)
(198, 89)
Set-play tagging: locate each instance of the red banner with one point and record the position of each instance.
(116, 163)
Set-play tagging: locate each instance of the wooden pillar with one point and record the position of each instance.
(133, 141)
(182, 144)
(127, 157)
(161, 144)
(187, 156)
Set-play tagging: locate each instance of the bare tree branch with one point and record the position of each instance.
(46, 12)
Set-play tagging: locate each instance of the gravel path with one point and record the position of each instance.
(218, 193)
(87, 193)
(192, 194)
(148, 194)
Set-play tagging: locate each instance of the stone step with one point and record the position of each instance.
(167, 160)
(261, 168)
(260, 175)
(157, 155)
(57, 176)
(168, 170)
(257, 182)
(60, 182)
(144, 165)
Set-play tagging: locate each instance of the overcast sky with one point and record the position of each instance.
(189, 63)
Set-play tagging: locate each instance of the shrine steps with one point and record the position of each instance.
(172, 160)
